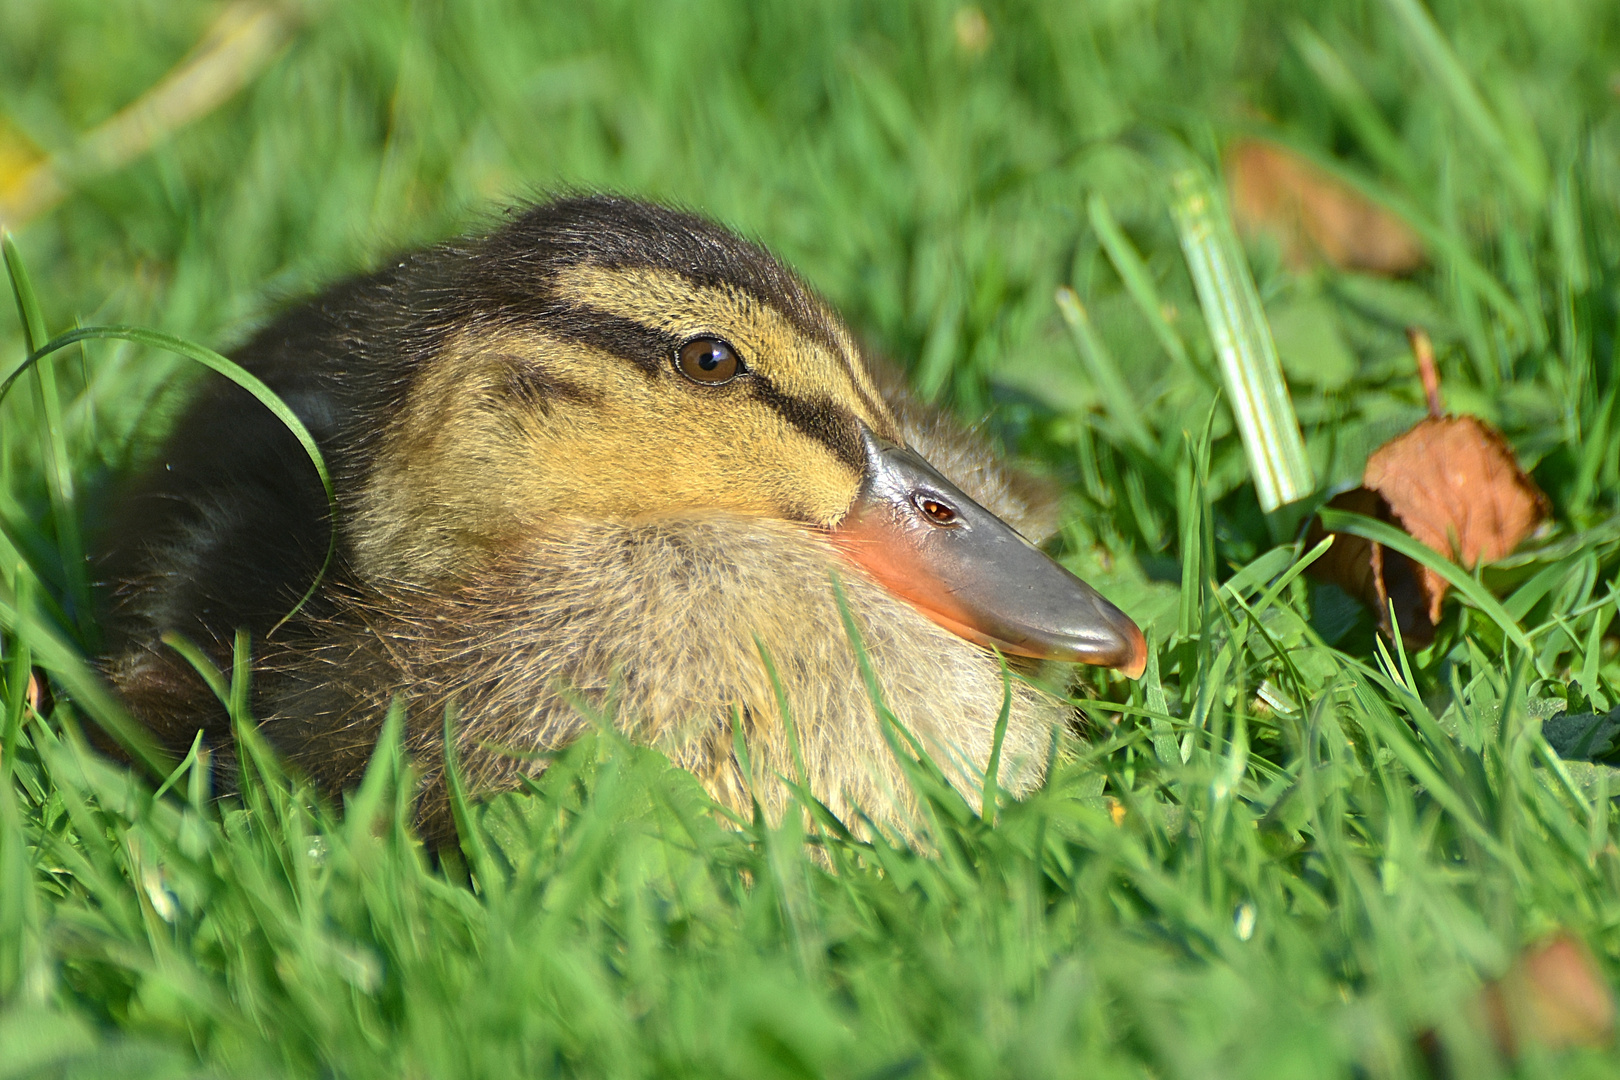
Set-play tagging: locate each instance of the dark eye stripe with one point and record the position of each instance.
(830, 424)
(649, 349)
(645, 347)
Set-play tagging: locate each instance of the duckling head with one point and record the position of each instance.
(599, 358)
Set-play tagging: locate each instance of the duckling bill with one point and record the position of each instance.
(928, 542)
(608, 455)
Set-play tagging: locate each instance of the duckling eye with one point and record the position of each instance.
(709, 361)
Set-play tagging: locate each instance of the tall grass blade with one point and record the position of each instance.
(1353, 102)
(473, 846)
(1133, 271)
(19, 905)
(201, 664)
(53, 440)
(992, 770)
(1123, 408)
(1164, 736)
(19, 673)
(1522, 166)
(241, 377)
(1250, 370)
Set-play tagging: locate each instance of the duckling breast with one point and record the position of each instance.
(671, 626)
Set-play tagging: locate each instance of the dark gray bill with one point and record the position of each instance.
(971, 572)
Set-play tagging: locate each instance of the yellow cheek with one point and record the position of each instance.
(471, 468)
(734, 454)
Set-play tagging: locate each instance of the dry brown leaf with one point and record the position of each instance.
(1374, 574)
(1453, 483)
(1553, 995)
(1314, 216)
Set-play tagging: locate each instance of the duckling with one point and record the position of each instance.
(607, 457)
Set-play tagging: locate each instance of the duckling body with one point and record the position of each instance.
(608, 456)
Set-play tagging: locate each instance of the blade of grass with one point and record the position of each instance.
(1393, 735)
(992, 769)
(1353, 102)
(821, 817)
(1133, 271)
(241, 377)
(58, 465)
(18, 676)
(785, 711)
(473, 847)
(19, 905)
(384, 772)
(1596, 447)
(1250, 370)
(1164, 735)
(1122, 405)
(1190, 483)
(201, 664)
(1523, 167)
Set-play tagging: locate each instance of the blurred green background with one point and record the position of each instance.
(1285, 853)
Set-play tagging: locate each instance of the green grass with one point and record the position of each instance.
(1325, 845)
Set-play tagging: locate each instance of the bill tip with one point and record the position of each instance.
(1136, 663)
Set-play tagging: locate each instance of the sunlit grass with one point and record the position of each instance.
(1289, 850)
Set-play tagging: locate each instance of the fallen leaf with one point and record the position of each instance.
(1451, 482)
(1553, 996)
(1374, 574)
(1313, 215)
